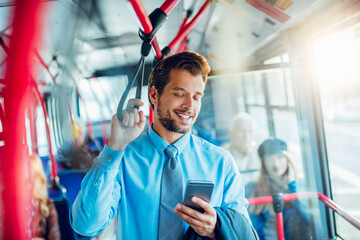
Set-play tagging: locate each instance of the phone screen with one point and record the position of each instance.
(200, 189)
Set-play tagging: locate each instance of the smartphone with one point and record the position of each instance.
(200, 189)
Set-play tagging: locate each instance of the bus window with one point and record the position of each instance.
(337, 69)
(268, 96)
(41, 133)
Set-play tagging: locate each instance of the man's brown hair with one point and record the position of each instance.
(191, 62)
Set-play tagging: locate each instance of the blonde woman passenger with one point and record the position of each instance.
(44, 218)
(277, 175)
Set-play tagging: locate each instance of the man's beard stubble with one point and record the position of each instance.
(168, 123)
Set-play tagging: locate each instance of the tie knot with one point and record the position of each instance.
(171, 151)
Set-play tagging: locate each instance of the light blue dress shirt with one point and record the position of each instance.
(127, 183)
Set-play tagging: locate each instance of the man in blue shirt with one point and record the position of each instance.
(125, 179)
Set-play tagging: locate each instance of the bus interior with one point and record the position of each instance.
(292, 65)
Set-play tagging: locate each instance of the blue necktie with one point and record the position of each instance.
(170, 225)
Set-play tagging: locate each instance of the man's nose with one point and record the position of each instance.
(188, 102)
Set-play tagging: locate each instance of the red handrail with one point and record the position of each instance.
(339, 210)
(186, 29)
(2, 115)
(3, 45)
(89, 129)
(145, 23)
(54, 172)
(52, 158)
(183, 44)
(155, 44)
(46, 67)
(2, 121)
(168, 5)
(14, 170)
(32, 120)
(306, 195)
(143, 17)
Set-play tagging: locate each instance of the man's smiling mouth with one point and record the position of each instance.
(183, 116)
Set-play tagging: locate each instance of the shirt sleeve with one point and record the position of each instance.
(97, 201)
(234, 191)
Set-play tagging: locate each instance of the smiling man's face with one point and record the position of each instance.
(179, 104)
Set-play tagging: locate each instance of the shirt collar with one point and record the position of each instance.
(160, 144)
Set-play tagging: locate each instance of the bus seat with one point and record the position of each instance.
(63, 210)
(71, 180)
(45, 162)
(62, 207)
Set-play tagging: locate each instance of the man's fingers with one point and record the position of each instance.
(136, 115)
(191, 212)
(125, 119)
(189, 216)
(114, 119)
(142, 119)
(203, 223)
(131, 119)
(134, 102)
(205, 205)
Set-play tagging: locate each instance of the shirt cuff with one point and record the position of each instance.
(110, 159)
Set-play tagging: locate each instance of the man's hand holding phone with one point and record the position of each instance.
(196, 209)
(202, 223)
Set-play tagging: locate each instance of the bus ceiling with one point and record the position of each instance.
(91, 35)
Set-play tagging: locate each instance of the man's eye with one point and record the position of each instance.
(178, 94)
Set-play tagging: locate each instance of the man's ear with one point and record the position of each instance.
(154, 96)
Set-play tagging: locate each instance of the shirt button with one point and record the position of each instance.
(161, 149)
(95, 183)
(109, 159)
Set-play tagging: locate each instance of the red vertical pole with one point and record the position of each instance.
(32, 119)
(151, 115)
(278, 205)
(105, 135)
(14, 174)
(47, 127)
(280, 225)
(89, 126)
(2, 118)
(89, 129)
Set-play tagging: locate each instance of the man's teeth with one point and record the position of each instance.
(183, 116)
